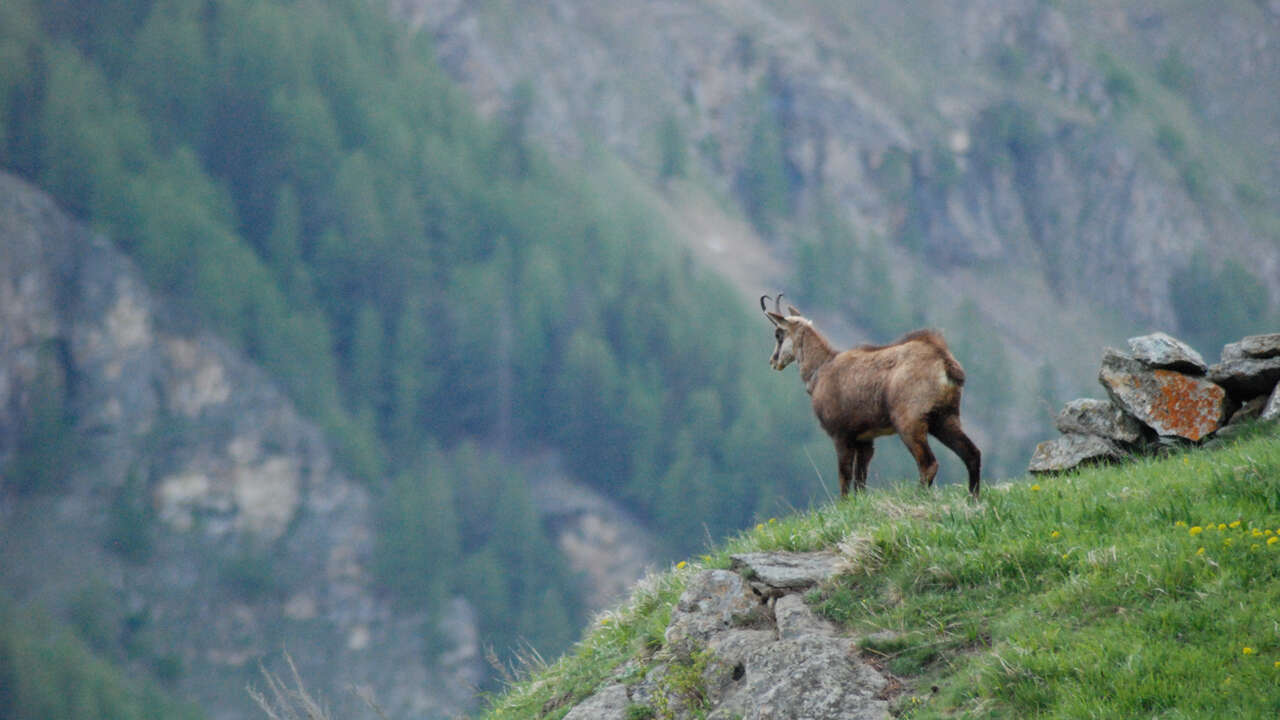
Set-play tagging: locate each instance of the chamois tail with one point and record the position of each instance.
(954, 371)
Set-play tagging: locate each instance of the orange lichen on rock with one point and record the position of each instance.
(1169, 402)
(1188, 407)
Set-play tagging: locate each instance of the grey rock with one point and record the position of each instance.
(795, 618)
(1258, 347)
(788, 663)
(608, 703)
(1247, 377)
(1251, 410)
(808, 677)
(1172, 404)
(713, 601)
(1072, 450)
(1161, 350)
(1089, 416)
(1272, 409)
(789, 571)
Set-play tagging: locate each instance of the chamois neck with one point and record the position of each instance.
(812, 352)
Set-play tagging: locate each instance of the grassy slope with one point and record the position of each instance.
(1145, 590)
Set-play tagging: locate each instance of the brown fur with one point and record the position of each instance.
(911, 387)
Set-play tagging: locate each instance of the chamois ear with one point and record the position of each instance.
(791, 310)
(776, 319)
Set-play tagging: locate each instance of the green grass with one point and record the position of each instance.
(1142, 590)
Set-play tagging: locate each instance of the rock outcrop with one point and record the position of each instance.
(1164, 393)
(755, 649)
(200, 515)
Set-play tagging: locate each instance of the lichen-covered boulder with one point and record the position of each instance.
(1089, 416)
(1259, 347)
(1247, 377)
(1161, 350)
(1072, 450)
(1170, 403)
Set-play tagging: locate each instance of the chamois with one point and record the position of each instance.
(910, 387)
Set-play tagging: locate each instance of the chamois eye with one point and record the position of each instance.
(778, 333)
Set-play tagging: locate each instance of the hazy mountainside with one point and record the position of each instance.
(1078, 172)
(476, 332)
(163, 497)
(474, 328)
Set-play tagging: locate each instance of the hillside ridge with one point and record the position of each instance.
(1043, 599)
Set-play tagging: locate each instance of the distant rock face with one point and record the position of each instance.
(1169, 402)
(256, 540)
(765, 655)
(936, 163)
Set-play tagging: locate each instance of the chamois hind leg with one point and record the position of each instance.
(845, 454)
(862, 458)
(948, 430)
(915, 435)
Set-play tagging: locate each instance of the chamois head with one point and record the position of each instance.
(785, 327)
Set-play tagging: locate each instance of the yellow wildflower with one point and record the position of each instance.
(1234, 525)
(1222, 526)
(1200, 551)
(1035, 488)
(1254, 546)
(1276, 665)
(759, 526)
(1246, 650)
(1196, 530)
(1272, 540)
(1227, 542)
(773, 520)
(1055, 534)
(1180, 523)
(1257, 533)
(681, 565)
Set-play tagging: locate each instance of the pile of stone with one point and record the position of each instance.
(1162, 393)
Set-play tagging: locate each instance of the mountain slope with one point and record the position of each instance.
(162, 496)
(1129, 591)
(1032, 177)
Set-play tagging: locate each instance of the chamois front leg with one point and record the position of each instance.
(845, 454)
(862, 459)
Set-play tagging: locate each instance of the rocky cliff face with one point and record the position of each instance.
(1002, 134)
(170, 502)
